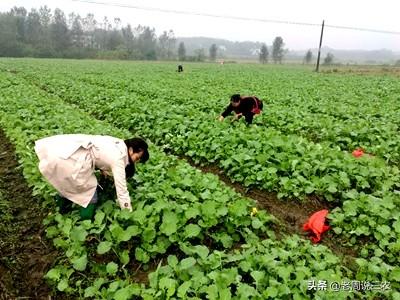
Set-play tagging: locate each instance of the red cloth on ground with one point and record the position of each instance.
(358, 153)
(316, 223)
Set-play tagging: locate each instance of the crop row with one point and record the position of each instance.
(256, 156)
(374, 215)
(343, 111)
(189, 219)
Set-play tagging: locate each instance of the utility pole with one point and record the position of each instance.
(320, 43)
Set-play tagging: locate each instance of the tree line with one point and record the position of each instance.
(46, 33)
(278, 53)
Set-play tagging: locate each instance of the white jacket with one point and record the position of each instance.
(68, 163)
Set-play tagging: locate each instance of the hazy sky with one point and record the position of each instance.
(382, 14)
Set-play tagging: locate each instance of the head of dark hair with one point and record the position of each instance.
(235, 98)
(138, 145)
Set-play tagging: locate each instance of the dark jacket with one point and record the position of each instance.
(245, 108)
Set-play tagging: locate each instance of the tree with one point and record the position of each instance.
(328, 60)
(45, 19)
(308, 57)
(181, 51)
(19, 14)
(146, 42)
(33, 28)
(45, 16)
(127, 35)
(213, 52)
(77, 32)
(59, 31)
(89, 28)
(277, 50)
(9, 44)
(263, 54)
(166, 44)
(200, 54)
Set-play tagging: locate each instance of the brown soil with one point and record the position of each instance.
(291, 213)
(363, 70)
(25, 255)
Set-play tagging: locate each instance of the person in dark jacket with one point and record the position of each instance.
(243, 106)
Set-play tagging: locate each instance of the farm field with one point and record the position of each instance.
(191, 235)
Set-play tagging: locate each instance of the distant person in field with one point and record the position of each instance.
(243, 106)
(180, 68)
(69, 162)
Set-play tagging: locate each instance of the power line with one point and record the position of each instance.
(363, 29)
(181, 12)
(194, 13)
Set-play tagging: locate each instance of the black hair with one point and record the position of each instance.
(138, 145)
(235, 98)
(130, 170)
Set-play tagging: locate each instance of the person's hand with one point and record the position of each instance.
(104, 173)
(220, 118)
(236, 117)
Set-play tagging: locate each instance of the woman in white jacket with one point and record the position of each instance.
(69, 161)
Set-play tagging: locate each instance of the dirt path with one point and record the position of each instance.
(25, 254)
(291, 213)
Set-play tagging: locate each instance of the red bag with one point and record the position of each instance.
(256, 110)
(316, 223)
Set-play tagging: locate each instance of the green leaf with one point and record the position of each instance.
(246, 291)
(187, 263)
(256, 223)
(62, 285)
(395, 274)
(80, 263)
(99, 217)
(271, 292)
(133, 230)
(124, 257)
(139, 215)
(172, 261)
(53, 274)
(78, 234)
(123, 294)
(239, 208)
(183, 289)
(192, 212)
(396, 226)
(90, 291)
(384, 229)
(224, 294)
(168, 284)
(141, 255)
(201, 251)
(212, 292)
(149, 235)
(112, 268)
(224, 238)
(170, 223)
(104, 247)
(52, 232)
(257, 275)
(208, 208)
(192, 230)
